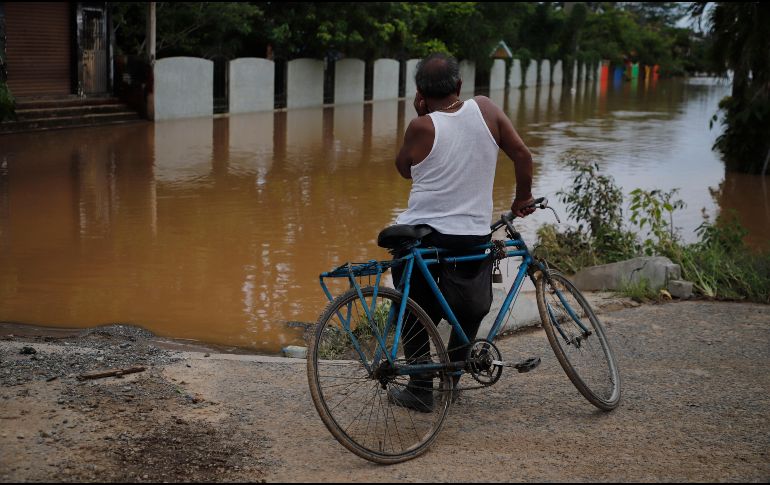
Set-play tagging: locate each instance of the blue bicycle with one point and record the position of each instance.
(358, 357)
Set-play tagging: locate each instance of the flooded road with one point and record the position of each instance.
(217, 229)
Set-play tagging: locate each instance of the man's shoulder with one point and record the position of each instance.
(486, 105)
(421, 125)
(492, 113)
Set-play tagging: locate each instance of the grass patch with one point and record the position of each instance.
(336, 343)
(640, 291)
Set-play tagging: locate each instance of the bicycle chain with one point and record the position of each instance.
(498, 250)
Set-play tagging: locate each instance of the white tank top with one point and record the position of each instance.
(452, 187)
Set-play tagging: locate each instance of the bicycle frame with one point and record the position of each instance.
(423, 258)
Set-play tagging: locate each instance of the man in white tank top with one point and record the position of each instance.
(450, 154)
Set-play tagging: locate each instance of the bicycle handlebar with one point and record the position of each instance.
(506, 218)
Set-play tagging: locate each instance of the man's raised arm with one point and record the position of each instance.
(513, 146)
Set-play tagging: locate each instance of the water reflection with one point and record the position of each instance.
(217, 229)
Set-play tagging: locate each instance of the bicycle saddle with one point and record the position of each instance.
(395, 237)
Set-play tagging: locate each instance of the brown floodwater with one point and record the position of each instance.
(217, 229)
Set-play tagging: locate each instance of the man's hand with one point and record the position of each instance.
(520, 207)
(420, 105)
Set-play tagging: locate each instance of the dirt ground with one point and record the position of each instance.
(696, 407)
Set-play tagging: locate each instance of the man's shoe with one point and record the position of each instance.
(418, 398)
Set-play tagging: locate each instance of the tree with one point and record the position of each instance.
(741, 45)
(468, 30)
(205, 29)
(657, 14)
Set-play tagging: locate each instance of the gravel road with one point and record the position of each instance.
(696, 407)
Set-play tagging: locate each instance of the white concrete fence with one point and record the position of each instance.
(497, 76)
(385, 81)
(183, 86)
(349, 81)
(251, 85)
(468, 76)
(410, 89)
(304, 83)
(514, 76)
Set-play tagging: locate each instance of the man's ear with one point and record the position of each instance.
(459, 86)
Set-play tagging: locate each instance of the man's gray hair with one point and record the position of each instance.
(437, 75)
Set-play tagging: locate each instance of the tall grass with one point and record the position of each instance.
(721, 266)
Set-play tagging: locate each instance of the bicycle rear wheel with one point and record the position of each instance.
(579, 341)
(353, 402)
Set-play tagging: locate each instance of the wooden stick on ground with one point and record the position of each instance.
(110, 372)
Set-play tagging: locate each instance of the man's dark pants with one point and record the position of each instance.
(467, 287)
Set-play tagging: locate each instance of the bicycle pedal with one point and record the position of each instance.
(527, 365)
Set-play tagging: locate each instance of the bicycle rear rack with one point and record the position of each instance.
(357, 271)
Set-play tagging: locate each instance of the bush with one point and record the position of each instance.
(566, 251)
(654, 210)
(594, 201)
(744, 142)
(720, 265)
(639, 291)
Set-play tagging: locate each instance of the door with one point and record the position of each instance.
(93, 46)
(38, 45)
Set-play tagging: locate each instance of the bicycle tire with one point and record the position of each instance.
(600, 386)
(329, 359)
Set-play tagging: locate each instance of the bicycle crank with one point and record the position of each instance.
(525, 365)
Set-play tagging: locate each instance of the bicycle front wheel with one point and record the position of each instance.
(579, 341)
(352, 383)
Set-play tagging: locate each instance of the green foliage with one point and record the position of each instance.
(525, 57)
(653, 211)
(741, 44)
(7, 103)
(594, 198)
(467, 30)
(364, 328)
(568, 250)
(720, 265)
(640, 290)
(336, 343)
(206, 29)
(595, 203)
(657, 13)
(744, 142)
